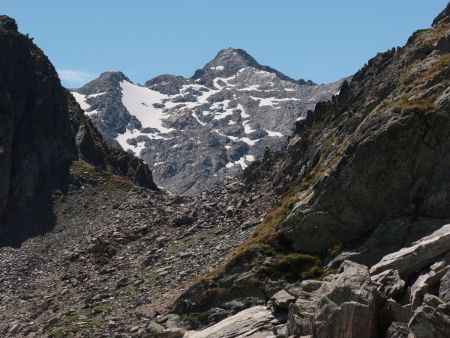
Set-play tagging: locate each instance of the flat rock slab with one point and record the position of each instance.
(254, 322)
(417, 256)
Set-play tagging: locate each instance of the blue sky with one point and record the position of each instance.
(322, 40)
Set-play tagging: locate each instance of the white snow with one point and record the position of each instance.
(247, 128)
(250, 88)
(301, 118)
(81, 99)
(157, 164)
(218, 68)
(130, 134)
(243, 162)
(198, 120)
(274, 133)
(264, 101)
(248, 141)
(139, 102)
(95, 95)
(90, 113)
(222, 105)
(271, 101)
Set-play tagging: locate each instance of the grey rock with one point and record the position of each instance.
(444, 44)
(397, 330)
(350, 308)
(282, 299)
(311, 285)
(444, 287)
(389, 283)
(424, 284)
(397, 312)
(256, 321)
(431, 321)
(417, 256)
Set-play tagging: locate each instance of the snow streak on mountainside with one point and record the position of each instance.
(195, 132)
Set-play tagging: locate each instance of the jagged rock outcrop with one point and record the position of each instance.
(194, 132)
(42, 132)
(36, 141)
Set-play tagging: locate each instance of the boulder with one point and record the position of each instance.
(431, 320)
(397, 330)
(422, 253)
(350, 308)
(282, 299)
(389, 283)
(301, 314)
(155, 330)
(397, 313)
(425, 283)
(444, 287)
(255, 320)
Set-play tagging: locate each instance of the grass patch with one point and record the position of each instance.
(90, 175)
(291, 267)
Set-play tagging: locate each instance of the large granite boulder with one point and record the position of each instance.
(350, 308)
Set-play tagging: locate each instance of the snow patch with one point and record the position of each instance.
(244, 161)
(198, 120)
(274, 133)
(81, 99)
(139, 102)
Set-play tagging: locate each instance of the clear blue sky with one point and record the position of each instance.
(322, 40)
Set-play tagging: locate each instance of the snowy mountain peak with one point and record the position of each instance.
(194, 132)
(228, 62)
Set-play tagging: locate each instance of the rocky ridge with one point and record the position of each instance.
(195, 132)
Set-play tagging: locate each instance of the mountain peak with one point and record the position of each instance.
(226, 63)
(113, 77)
(232, 57)
(103, 83)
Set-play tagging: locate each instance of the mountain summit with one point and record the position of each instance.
(194, 132)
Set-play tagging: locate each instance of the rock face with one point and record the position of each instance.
(390, 121)
(42, 131)
(194, 132)
(36, 141)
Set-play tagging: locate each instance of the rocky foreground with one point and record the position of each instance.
(344, 232)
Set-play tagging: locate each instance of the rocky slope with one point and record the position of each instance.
(194, 132)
